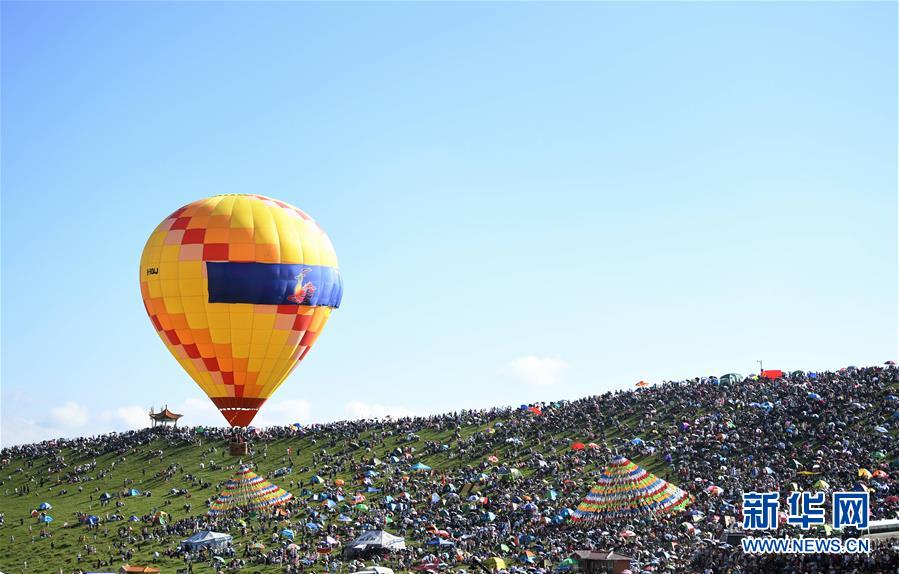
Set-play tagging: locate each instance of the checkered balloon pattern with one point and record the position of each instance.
(239, 287)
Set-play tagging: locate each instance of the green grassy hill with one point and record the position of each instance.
(144, 468)
(143, 471)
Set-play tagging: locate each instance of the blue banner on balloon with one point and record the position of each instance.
(273, 284)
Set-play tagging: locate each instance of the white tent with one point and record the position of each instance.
(378, 539)
(207, 539)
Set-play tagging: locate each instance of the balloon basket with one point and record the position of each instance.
(238, 448)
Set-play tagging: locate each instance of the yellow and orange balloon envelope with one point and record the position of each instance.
(239, 287)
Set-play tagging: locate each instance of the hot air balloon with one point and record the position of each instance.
(239, 287)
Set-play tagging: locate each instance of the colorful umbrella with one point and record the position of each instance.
(625, 489)
(248, 491)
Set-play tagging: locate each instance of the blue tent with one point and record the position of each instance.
(441, 543)
(297, 425)
(814, 396)
(93, 520)
(313, 526)
(133, 518)
(420, 466)
(105, 496)
(47, 518)
(287, 533)
(133, 492)
(44, 506)
(344, 518)
(637, 441)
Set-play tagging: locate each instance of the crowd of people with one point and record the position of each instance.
(505, 482)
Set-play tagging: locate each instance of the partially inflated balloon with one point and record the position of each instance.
(239, 287)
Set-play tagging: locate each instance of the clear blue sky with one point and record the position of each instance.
(529, 201)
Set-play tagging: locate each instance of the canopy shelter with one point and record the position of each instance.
(600, 561)
(164, 417)
(377, 540)
(207, 539)
(730, 378)
(248, 491)
(626, 489)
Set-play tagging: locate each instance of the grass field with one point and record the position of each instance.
(21, 541)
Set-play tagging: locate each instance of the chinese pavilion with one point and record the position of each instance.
(164, 417)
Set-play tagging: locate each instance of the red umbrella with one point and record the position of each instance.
(535, 410)
(642, 384)
(577, 446)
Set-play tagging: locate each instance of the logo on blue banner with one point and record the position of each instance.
(806, 509)
(760, 510)
(850, 509)
(273, 284)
